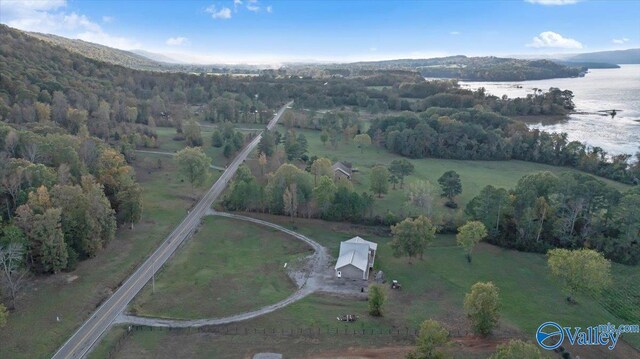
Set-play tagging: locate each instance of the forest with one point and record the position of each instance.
(546, 211)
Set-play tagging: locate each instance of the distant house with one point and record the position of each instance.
(342, 170)
(356, 258)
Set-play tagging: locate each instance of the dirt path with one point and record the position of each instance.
(316, 278)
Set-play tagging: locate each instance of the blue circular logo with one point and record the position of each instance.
(550, 335)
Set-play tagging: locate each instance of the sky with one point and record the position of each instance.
(278, 31)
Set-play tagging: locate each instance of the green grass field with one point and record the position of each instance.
(166, 143)
(228, 267)
(474, 175)
(73, 296)
(432, 288)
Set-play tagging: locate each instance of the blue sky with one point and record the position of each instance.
(276, 31)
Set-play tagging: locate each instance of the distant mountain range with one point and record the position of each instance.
(620, 57)
(156, 57)
(488, 68)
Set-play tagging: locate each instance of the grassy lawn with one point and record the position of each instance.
(474, 175)
(166, 143)
(74, 296)
(432, 288)
(228, 267)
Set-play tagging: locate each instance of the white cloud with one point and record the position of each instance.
(10, 7)
(252, 5)
(224, 13)
(177, 41)
(105, 39)
(236, 3)
(553, 2)
(620, 41)
(454, 33)
(550, 39)
(269, 9)
(107, 19)
(51, 16)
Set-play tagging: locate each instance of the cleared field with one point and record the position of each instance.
(228, 267)
(432, 288)
(474, 175)
(73, 296)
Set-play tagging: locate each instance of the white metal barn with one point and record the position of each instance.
(356, 258)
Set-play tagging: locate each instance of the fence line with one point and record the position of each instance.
(346, 330)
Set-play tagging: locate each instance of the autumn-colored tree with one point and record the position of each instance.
(262, 161)
(290, 199)
(321, 167)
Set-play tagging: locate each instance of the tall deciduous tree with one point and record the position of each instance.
(321, 167)
(412, 236)
(192, 133)
(362, 140)
(377, 298)
(451, 187)
(469, 235)
(431, 336)
(324, 193)
(489, 206)
(379, 180)
(581, 270)
(420, 194)
(290, 200)
(401, 168)
(194, 165)
(13, 268)
(130, 204)
(482, 305)
(45, 239)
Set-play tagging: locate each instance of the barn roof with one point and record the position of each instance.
(372, 246)
(356, 254)
(342, 167)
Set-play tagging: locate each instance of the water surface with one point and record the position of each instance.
(600, 89)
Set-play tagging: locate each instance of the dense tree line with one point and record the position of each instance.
(479, 135)
(570, 210)
(63, 195)
(313, 197)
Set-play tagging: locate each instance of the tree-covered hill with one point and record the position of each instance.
(471, 68)
(103, 53)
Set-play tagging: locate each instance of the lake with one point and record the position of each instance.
(600, 89)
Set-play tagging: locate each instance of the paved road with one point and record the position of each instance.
(315, 278)
(88, 334)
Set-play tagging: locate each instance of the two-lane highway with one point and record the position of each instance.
(88, 334)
